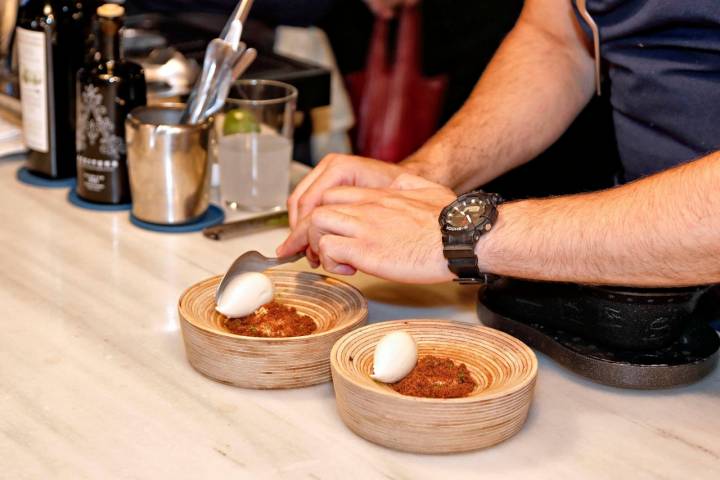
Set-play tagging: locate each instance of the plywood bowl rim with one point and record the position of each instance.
(373, 389)
(360, 314)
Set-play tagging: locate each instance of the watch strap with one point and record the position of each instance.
(463, 262)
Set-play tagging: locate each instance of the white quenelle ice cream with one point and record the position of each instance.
(395, 357)
(244, 294)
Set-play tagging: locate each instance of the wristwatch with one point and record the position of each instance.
(462, 223)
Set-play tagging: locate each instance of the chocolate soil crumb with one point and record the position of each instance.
(272, 320)
(436, 377)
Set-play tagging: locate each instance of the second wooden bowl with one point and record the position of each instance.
(503, 367)
(254, 362)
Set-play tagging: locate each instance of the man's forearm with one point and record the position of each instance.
(661, 231)
(537, 83)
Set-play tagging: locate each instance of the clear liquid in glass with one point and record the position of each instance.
(254, 170)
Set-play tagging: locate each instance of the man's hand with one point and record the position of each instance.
(337, 170)
(386, 8)
(391, 233)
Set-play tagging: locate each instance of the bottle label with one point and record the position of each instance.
(94, 127)
(95, 173)
(102, 174)
(32, 63)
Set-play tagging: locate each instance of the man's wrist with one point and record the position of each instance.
(415, 165)
(441, 265)
(430, 162)
(486, 248)
(445, 273)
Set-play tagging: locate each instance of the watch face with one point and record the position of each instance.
(466, 214)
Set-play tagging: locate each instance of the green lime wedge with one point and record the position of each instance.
(240, 120)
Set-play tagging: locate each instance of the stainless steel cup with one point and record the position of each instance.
(168, 164)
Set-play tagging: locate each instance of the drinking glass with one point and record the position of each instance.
(255, 141)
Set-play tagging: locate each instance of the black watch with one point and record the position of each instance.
(462, 223)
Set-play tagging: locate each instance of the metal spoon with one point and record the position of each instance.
(221, 94)
(229, 38)
(219, 79)
(240, 13)
(219, 74)
(234, 34)
(252, 261)
(243, 62)
(216, 53)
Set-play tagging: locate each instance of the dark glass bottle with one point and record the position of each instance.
(50, 43)
(108, 88)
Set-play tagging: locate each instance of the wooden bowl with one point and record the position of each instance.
(254, 362)
(503, 367)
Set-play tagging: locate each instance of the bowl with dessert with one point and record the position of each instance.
(268, 330)
(432, 386)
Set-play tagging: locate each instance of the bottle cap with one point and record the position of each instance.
(110, 10)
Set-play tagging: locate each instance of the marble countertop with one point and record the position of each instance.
(94, 382)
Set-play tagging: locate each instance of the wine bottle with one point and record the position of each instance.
(50, 44)
(107, 90)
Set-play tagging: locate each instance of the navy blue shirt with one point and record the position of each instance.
(663, 62)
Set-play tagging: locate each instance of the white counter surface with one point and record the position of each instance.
(94, 382)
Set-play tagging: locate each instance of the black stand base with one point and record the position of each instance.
(692, 356)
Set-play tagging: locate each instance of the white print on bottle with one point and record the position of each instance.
(93, 123)
(32, 66)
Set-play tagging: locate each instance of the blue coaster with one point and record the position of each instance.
(75, 199)
(27, 177)
(212, 216)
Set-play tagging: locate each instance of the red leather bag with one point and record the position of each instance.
(396, 108)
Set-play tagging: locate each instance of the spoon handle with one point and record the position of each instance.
(274, 262)
(240, 13)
